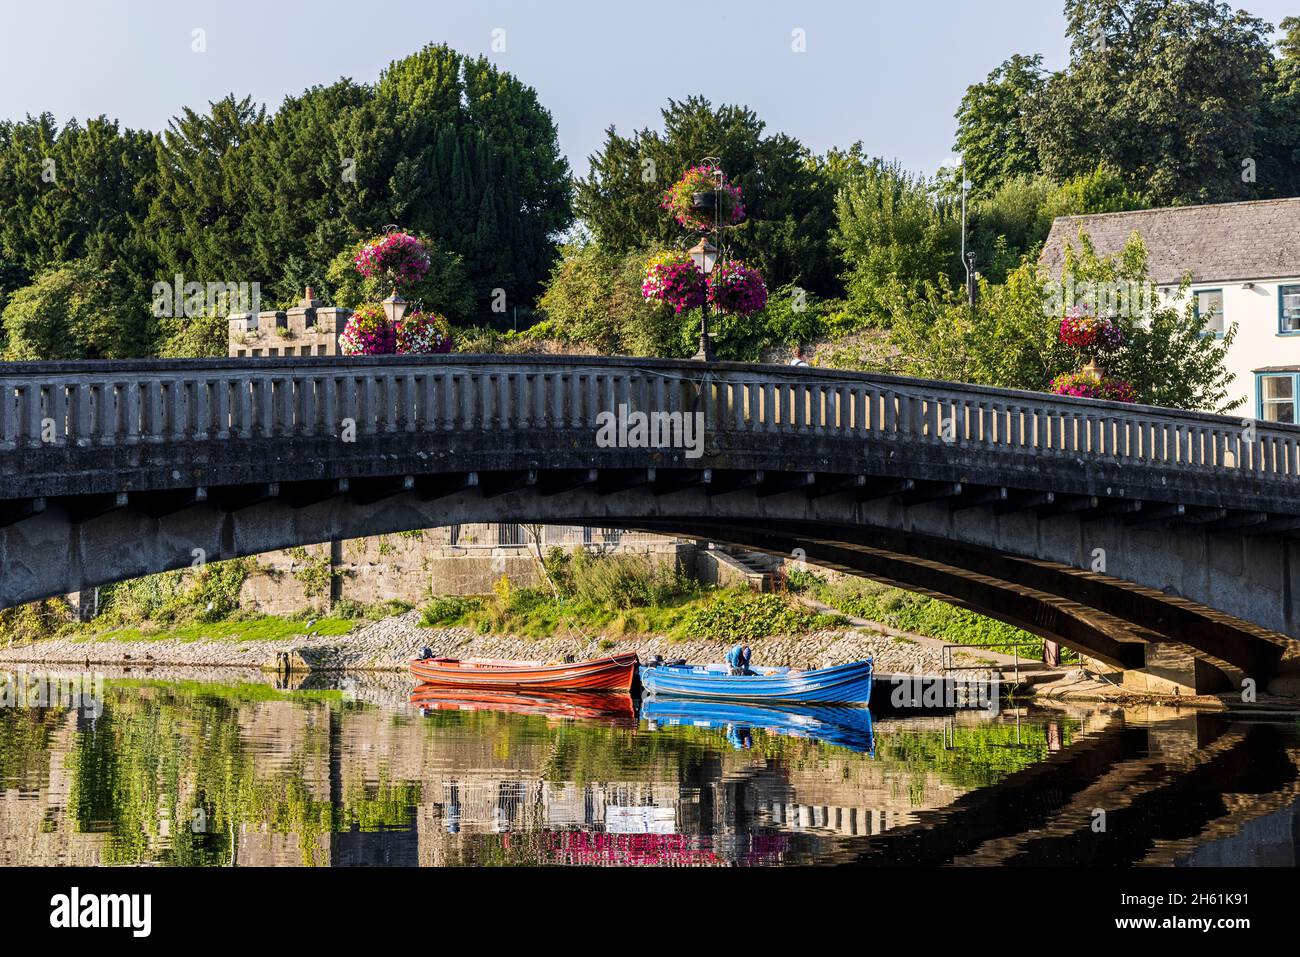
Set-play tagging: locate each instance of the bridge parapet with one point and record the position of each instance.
(44, 405)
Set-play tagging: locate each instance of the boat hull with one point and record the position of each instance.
(615, 673)
(846, 684)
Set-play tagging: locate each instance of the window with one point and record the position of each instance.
(1288, 308)
(1209, 303)
(1277, 398)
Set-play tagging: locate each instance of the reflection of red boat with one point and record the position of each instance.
(598, 706)
(615, 673)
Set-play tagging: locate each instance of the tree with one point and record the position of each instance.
(789, 204)
(1167, 92)
(1167, 354)
(594, 297)
(1278, 169)
(77, 310)
(475, 164)
(892, 230)
(991, 133)
(1009, 339)
(195, 226)
(71, 193)
(298, 177)
(1013, 222)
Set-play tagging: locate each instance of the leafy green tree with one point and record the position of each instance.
(196, 220)
(77, 310)
(1010, 338)
(594, 297)
(991, 133)
(1278, 169)
(893, 230)
(1165, 91)
(789, 204)
(71, 193)
(1167, 354)
(477, 167)
(298, 178)
(1014, 221)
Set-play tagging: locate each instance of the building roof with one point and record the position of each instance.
(1224, 242)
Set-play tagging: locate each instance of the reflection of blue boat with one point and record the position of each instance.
(846, 727)
(845, 684)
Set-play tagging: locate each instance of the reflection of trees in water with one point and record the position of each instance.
(315, 775)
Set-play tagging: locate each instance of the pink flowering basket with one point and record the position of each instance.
(1087, 386)
(680, 199)
(395, 259)
(423, 333)
(368, 333)
(673, 278)
(736, 288)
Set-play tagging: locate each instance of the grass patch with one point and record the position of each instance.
(921, 614)
(623, 594)
(237, 631)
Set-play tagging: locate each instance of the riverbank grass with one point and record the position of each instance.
(618, 595)
(238, 631)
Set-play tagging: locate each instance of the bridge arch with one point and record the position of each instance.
(998, 501)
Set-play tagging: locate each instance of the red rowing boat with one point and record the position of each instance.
(615, 673)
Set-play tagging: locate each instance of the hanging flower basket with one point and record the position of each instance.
(673, 278)
(395, 259)
(423, 333)
(1091, 334)
(368, 333)
(693, 198)
(737, 289)
(1087, 385)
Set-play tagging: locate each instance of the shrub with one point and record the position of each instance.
(737, 614)
(450, 610)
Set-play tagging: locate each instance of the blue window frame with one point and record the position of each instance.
(1276, 393)
(1209, 302)
(1288, 310)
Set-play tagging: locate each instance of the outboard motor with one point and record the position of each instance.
(654, 661)
(426, 653)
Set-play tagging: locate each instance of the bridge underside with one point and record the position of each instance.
(1018, 555)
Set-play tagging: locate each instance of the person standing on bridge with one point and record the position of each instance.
(799, 359)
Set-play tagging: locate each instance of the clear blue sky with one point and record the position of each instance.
(886, 72)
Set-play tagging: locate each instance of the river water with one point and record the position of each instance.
(146, 769)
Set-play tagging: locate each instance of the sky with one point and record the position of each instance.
(887, 72)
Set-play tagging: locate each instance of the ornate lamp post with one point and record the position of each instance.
(705, 256)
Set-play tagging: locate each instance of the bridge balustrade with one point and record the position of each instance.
(106, 404)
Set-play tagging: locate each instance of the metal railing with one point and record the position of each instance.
(112, 403)
(945, 655)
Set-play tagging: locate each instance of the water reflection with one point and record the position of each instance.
(238, 772)
(845, 727)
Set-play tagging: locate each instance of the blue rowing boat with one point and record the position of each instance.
(833, 724)
(845, 684)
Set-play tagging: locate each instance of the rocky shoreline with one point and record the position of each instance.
(389, 644)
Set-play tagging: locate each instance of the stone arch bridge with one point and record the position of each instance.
(1146, 538)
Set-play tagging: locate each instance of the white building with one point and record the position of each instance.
(1244, 263)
